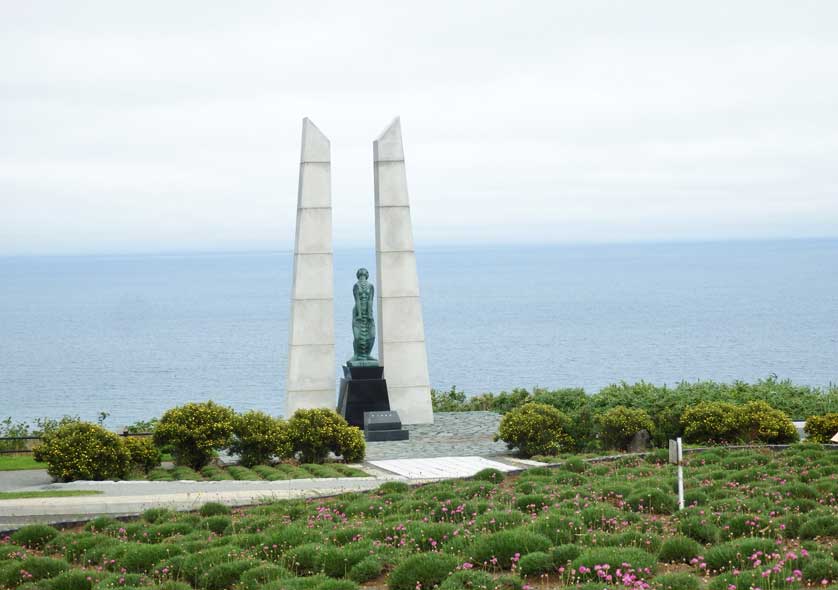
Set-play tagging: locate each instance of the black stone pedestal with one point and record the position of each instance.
(362, 389)
(384, 426)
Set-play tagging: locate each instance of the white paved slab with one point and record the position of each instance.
(440, 467)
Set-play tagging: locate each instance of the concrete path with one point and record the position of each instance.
(15, 480)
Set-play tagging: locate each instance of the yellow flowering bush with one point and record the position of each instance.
(759, 422)
(713, 422)
(316, 432)
(753, 422)
(535, 429)
(144, 455)
(821, 429)
(257, 437)
(619, 425)
(81, 450)
(195, 431)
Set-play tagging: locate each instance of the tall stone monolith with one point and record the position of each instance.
(401, 332)
(311, 351)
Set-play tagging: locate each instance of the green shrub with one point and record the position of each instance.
(759, 422)
(257, 437)
(615, 558)
(502, 546)
(140, 559)
(821, 569)
(34, 536)
(367, 569)
(710, 422)
(564, 554)
(305, 560)
(676, 581)
(427, 569)
(679, 549)
(698, 528)
(575, 465)
(217, 524)
(253, 578)
(535, 429)
(81, 450)
(537, 562)
(653, 500)
(155, 515)
(145, 456)
(821, 526)
(31, 569)
(821, 429)
(214, 509)
(74, 580)
(469, 580)
(735, 554)
(224, 575)
(316, 432)
(195, 431)
(489, 474)
(619, 425)
(393, 487)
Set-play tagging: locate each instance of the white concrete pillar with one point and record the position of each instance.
(401, 331)
(311, 332)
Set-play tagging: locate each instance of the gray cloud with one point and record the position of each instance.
(162, 126)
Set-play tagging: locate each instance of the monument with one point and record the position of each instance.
(403, 359)
(401, 331)
(311, 331)
(363, 398)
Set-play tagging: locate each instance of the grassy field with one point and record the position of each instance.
(16, 462)
(49, 494)
(754, 520)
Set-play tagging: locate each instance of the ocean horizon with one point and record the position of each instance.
(135, 334)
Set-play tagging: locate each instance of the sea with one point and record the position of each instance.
(133, 335)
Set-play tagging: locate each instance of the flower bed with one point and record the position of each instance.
(755, 519)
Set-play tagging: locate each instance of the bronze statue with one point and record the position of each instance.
(363, 324)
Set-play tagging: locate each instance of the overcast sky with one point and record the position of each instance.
(163, 126)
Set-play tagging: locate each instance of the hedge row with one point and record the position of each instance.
(195, 432)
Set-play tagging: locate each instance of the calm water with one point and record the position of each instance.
(135, 335)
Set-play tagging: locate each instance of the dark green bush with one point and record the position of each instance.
(502, 546)
(676, 581)
(217, 524)
(427, 569)
(36, 568)
(696, 527)
(316, 432)
(759, 422)
(653, 500)
(253, 578)
(564, 554)
(679, 549)
(195, 431)
(615, 558)
(81, 450)
(305, 560)
(140, 559)
(489, 474)
(710, 422)
(74, 580)
(257, 437)
(469, 580)
(34, 536)
(144, 455)
(619, 424)
(225, 575)
(537, 562)
(821, 526)
(214, 509)
(821, 569)
(367, 569)
(535, 429)
(393, 487)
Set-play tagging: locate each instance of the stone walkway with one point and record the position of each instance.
(453, 434)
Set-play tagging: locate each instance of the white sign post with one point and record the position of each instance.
(835, 438)
(676, 457)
